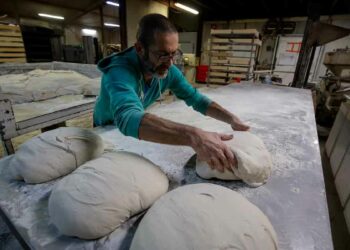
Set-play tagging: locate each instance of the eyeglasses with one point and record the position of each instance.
(165, 57)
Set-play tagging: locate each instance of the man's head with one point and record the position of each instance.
(157, 43)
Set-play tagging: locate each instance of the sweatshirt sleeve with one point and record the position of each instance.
(122, 85)
(184, 91)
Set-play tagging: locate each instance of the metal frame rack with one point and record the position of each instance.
(232, 55)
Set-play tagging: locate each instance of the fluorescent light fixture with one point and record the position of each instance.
(89, 32)
(112, 3)
(184, 7)
(51, 16)
(112, 25)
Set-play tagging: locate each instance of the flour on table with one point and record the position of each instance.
(38, 85)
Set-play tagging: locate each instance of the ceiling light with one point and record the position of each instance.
(112, 25)
(89, 32)
(112, 3)
(184, 7)
(51, 16)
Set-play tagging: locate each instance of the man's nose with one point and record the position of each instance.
(169, 61)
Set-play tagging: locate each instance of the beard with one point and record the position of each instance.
(159, 71)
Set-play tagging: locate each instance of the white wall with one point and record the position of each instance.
(188, 42)
(135, 10)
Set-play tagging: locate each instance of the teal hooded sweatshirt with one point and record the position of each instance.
(124, 96)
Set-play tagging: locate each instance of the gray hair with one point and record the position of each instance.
(149, 25)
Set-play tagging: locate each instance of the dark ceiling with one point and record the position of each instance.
(86, 12)
(241, 9)
(77, 12)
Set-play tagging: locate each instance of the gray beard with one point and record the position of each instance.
(148, 68)
(161, 76)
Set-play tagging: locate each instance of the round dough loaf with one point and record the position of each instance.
(204, 216)
(55, 153)
(254, 161)
(102, 194)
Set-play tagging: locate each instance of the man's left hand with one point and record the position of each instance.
(238, 125)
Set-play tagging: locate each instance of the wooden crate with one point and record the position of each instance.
(11, 44)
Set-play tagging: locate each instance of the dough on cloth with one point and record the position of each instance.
(254, 161)
(53, 154)
(204, 217)
(99, 196)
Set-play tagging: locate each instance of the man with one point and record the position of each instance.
(133, 79)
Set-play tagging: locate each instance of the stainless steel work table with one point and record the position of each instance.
(294, 197)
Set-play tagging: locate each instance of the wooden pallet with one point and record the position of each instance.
(11, 44)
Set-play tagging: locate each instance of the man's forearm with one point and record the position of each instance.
(156, 129)
(216, 111)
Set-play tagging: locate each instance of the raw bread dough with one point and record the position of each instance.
(54, 153)
(102, 194)
(204, 216)
(254, 161)
(38, 85)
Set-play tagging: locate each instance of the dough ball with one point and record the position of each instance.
(204, 216)
(103, 193)
(54, 154)
(254, 161)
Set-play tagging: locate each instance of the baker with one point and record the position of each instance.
(133, 79)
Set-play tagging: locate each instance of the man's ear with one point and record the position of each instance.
(139, 49)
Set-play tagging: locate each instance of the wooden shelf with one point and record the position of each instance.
(235, 32)
(232, 55)
(234, 61)
(229, 68)
(236, 41)
(11, 44)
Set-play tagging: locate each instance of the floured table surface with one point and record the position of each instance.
(39, 85)
(29, 110)
(293, 198)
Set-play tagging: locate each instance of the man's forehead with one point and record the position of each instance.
(166, 41)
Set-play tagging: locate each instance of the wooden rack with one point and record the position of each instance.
(11, 44)
(232, 55)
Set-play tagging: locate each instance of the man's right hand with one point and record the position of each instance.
(210, 148)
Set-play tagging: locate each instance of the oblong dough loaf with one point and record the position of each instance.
(204, 216)
(103, 193)
(254, 161)
(55, 153)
